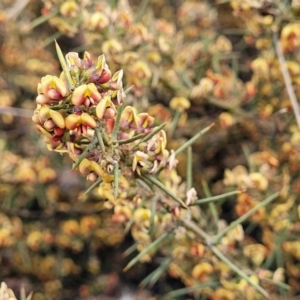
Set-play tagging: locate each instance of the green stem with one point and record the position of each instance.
(42, 19)
(51, 38)
(189, 169)
(152, 278)
(128, 226)
(247, 155)
(212, 206)
(279, 284)
(244, 217)
(142, 8)
(113, 4)
(134, 138)
(116, 180)
(229, 107)
(145, 184)
(203, 235)
(99, 138)
(192, 226)
(151, 247)
(151, 134)
(188, 290)
(117, 123)
(193, 139)
(153, 210)
(96, 183)
(130, 250)
(156, 182)
(84, 153)
(216, 198)
(238, 271)
(174, 123)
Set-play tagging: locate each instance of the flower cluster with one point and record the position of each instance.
(83, 113)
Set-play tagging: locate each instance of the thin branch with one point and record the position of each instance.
(156, 182)
(216, 198)
(192, 226)
(244, 217)
(14, 11)
(287, 78)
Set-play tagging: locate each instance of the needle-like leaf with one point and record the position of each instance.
(148, 249)
(64, 67)
(84, 153)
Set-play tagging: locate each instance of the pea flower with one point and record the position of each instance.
(86, 94)
(50, 89)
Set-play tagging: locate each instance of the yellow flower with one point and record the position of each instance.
(105, 191)
(69, 9)
(290, 35)
(257, 180)
(140, 69)
(129, 119)
(98, 21)
(74, 121)
(73, 60)
(112, 46)
(226, 120)
(256, 252)
(261, 68)
(46, 175)
(70, 227)
(145, 122)
(88, 166)
(139, 160)
(236, 234)
(180, 104)
(224, 294)
(87, 224)
(51, 88)
(5, 238)
(202, 271)
(142, 216)
(203, 89)
(45, 113)
(86, 94)
(34, 240)
(105, 109)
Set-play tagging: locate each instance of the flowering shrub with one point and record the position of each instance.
(137, 123)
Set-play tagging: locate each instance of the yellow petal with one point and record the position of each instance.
(44, 131)
(72, 121)
(57, 118)
(87, 120)
(97, 169)
(180, 103)
(78, 96)
(85, 167)
(44, 113)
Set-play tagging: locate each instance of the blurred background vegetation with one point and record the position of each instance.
(237, 64)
